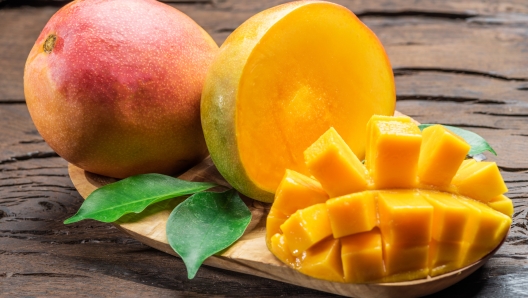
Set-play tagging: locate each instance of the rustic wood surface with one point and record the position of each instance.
(462, 63)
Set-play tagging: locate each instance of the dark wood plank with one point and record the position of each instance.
(456, 62)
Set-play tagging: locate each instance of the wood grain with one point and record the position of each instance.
(249, 254)
(437, 79)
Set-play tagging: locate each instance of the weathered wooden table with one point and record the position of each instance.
(463, 63)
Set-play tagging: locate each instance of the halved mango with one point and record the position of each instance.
(396, 234)
(280, 81)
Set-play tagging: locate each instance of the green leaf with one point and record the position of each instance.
(477, 143)
(205, 224)
(133, 194)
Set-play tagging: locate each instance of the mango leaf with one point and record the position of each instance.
(477, 143)
(205, 224)
(133, 194)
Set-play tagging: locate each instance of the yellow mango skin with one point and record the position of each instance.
(353, 213)
(480, 181)
(502, 204)
(405, 217)
(305, 228)
(305, 64)
(332, 162)
(394, 152)
(362, 257)
(441, 155)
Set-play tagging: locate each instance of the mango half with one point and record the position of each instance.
(281, 80)
(416, 208)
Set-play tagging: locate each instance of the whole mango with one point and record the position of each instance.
(114, 86)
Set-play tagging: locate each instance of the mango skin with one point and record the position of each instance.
(119, 92)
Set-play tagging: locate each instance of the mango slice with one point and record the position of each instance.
(282, 79)
(400, 221)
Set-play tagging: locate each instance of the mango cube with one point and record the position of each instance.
(333, 163)
(441, 154)
(362, 256)
(406, 262)
(450, 217)
(281, 250)
(445, 256)
(274, 221)
(502, 204)
(480, 181)
(296, 192)
(323, 261)
(393, 149)
(373, 120)
(485, 230)
(306, 227)
(405, 217)
(353, 213)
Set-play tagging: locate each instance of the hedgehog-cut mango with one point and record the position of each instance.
(414, 209)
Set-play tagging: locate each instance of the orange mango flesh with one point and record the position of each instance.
(441, 154)
(394, 150)
(362, 257)
(333, 164)
(284, 77)
(481, 181)
(351, 214)
(397, 234)
(306, 227)
(502, 204)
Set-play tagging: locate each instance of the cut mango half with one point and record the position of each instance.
(415, 209)
(281, 80)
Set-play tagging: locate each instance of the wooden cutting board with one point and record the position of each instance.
(249, 254)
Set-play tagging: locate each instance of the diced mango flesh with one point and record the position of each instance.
(296, 192)
(362, 256)
(333, 163)
(441, 154)
(481, 181)
(389, 235)
(306, 227)
(323, 261)
(353, 213)
(405, 218)
(502, 204)
(394, 148)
